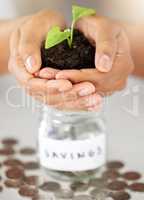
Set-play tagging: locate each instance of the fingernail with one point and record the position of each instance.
(94, 100)
(91, 102)
(30, 63)
(104, 63)
(61, 87)
(86, 91)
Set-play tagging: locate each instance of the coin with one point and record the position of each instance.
(50, 186)
(137, 187)
(31, 180)
(31, 165)
(82, 197)
(97, 182)
(120, 196)
(117, 185)
(15, 173)
(64, 194)
(79, 186)
(9, 141)
(38, 197)
(96, 192)
(115, 164)
(12, 162)
(27, 151)
(26, 191)
(111, 174)
(131, 175)
(101, 195)
(7, 151)
(13, 183)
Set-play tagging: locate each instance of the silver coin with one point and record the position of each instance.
(94, 192)
(97, 182)
(85, 173)
(50, 186)
(64, 194)
(79, 186)
(99, 194)
(82, 197)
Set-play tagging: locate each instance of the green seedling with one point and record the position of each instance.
(56, 36)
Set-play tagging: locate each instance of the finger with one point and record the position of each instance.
(105, 53)
(32, 37)
(19, 70)
(29, 50)
(82, 89)
(82, 103)
(14, 43)
(63, 97)
(15, 63)
(45, 87)
(89, 101)
(60, 85)
(36, 85)
(104, 37)
(77, 76)
(78, 90)
(47, 73)
(50, 99)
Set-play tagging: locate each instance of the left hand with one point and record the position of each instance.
(113, 58)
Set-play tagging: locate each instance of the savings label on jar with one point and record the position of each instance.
(67, 155)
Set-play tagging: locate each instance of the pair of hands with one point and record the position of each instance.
(70, 89)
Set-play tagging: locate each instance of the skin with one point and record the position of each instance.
(113, 58)
(25, 62)
(6, 29)
(72, 89)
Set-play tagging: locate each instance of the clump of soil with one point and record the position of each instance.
(81, 55)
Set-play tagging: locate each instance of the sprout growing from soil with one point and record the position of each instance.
(56, 36)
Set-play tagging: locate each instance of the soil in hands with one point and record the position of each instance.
(61, 56)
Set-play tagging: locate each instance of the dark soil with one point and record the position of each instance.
(81, 55)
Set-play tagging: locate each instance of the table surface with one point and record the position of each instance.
(125, 122)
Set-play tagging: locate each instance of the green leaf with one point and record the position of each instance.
(56, 36)
(79, 12)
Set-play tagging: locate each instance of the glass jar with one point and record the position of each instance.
(72, 145)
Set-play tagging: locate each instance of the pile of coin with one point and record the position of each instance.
(22, 173)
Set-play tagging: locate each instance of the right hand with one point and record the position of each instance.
(25, 61)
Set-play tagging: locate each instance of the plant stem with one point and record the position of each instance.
(72, 32)
(69, 42)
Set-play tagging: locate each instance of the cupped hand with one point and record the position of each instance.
(25, 63)
(113, 59)
(82, 96)
(25, 57)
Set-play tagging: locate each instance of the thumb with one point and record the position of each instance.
(105, 39)
(106, 48)
(32, 35)
(30, 53)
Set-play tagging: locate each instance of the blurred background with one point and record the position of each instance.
(124, 110)
(131, 10)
